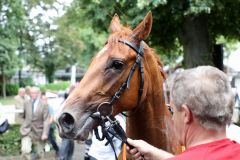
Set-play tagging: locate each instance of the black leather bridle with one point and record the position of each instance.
(114, 129)
(138, 62)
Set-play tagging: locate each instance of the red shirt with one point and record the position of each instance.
(224, 149)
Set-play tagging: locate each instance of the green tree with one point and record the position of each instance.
(75, 40)
(52, 45)
(11, 19)
(193, 24)
(40, 51)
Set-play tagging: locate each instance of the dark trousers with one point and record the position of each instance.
(92, 158)
(66, 149)
(88, 143)
(52, 138)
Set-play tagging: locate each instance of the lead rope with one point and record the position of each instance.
(113, 128)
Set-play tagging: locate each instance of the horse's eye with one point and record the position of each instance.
(117, 65)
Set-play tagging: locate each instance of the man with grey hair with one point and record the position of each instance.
(35, 127)
(201, 103)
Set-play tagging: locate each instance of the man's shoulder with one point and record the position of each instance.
(16, 97)
(222, 149)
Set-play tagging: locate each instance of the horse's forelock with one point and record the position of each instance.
(123, 34)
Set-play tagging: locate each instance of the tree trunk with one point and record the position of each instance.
(20, 78)
(3, 82)
(49, 72)
(196, 41)
(218, 56)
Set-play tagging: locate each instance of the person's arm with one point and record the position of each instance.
(46, 124)
(143, 149)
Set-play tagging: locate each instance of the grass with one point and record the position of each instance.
(10, 141)
(7, 101)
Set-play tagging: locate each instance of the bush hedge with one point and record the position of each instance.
(63, 85)
(11, 89)
(10, 141)
(28, 81)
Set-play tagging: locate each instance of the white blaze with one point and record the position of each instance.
(101, 52)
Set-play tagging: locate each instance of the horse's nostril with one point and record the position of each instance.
(66, 121)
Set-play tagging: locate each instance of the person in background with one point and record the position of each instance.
(27, 90)
(51, 134)
(19, 103)
(67, 145)
(34, 129)
(201, 104)
(4, 125)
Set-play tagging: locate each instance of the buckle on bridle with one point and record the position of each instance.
(116, 95)
(101, 112)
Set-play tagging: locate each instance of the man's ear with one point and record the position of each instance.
(142, 31)
(187, 114)
(115, 24)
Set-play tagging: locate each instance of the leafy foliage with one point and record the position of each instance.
(28, 81)
(11, 89)
(75, 40)
(11, 20)
(169, 17)
(55, 86)
(10, 142)
(48, 44)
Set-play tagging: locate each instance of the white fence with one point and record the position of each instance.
(9, 112)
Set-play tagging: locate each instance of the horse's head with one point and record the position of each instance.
(106, 74)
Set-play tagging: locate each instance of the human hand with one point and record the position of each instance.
(141, 149)
(44, 137)
(144, 151)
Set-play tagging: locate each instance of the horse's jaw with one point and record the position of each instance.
(83, 132)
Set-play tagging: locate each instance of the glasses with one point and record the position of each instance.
(170, 108)
(166, 94)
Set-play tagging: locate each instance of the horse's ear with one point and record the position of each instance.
(115, 24)
(142, 31)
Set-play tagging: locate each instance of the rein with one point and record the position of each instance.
(110, 126)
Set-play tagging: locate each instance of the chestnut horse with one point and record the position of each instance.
(107, 72)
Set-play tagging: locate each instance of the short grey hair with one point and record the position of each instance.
(208, 94)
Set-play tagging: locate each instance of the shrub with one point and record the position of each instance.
(55, 86)
(11, 89)
(10, 141)
(28, 81)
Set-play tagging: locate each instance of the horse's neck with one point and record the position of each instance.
(148, 123)
(152, 122)
(152, 125)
